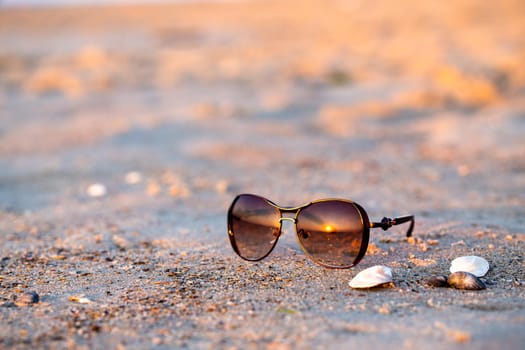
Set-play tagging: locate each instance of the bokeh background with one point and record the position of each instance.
(405, 107)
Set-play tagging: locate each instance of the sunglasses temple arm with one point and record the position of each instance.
(386, 223)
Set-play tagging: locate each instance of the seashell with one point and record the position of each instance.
(372, 277)
(96, 190)
(473, 264)
(79, 299)
(437, 281)
(465, 280)
(26, 299)
(133, 178)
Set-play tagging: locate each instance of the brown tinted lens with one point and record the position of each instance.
(255, 226)
(331, 232)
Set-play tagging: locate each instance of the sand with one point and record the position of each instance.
(412, 108)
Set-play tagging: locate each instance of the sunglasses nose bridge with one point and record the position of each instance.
(286, 218)
(293, 220)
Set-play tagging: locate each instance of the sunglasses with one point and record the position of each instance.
(332, 232)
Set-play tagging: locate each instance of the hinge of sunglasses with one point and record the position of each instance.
(385, 223)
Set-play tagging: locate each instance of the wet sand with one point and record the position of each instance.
(406, 109)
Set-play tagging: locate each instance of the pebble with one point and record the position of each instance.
(120, 242)
(27, 298)
(222, 186)
(153, 188)
(437, 281)
(465, 280)
(179, 190)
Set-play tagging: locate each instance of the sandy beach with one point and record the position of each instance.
(171, 110)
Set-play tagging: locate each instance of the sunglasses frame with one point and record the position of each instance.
(385, 224)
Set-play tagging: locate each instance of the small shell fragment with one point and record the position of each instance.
(372, 277)
(79, 299)
(133, 178)
(437, 281)
(96, 190)
(473, 264)
(465, 280)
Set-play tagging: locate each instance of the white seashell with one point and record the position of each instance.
(79, 299)
(473, 264)
(96, 190)
(83, 300)
(372, 277)
(133, 177)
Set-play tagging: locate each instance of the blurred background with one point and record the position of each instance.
(406, 107)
